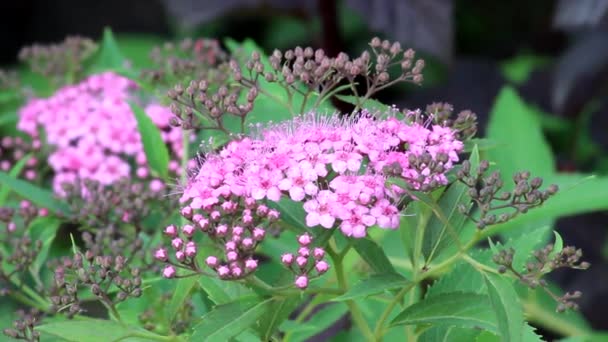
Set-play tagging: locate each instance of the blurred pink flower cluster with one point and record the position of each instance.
(334, 166)
(93, 133)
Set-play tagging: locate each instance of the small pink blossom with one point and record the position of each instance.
(251, 264)
(169, 271)
(212, 261)
(287, 259)
(301, 282)
(161, 254)
(321, 266)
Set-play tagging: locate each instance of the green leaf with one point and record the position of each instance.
(518, 69)
(43, 229)
(278, 311)
(373, 106)
(456, 308)
(558, 245)
(373, 285)
(517, 130)
(93, 330)
(321, 320)
(292, 213)
(525, 244)
(463, 277)
(180, 295)
(221, 291)
(14, 173)
(444, 231)
(41, 197)
(508, 310)
(154, 147)
(373, 255)
(447, 334)
(229, 320)
(109, 56)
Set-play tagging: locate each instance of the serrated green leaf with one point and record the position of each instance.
(228, 320)
(181, 293)
(156, 151)
(508, 310)
(373, 255)
(41, 197)
(221, 291)
(525, 244)
(93, 330)
(373, 285)
(373, 106)
(448, 334)
(463, 277)
(452, 309)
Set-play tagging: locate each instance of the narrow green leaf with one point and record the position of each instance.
(457, 309)
(180, 295)
(558, 245)
(154, 147)
(109, 56)
(278, 312)
(41, 197)
(373, 255)
(43, 229)
(229, 320)
(373, 285)
(14, 173)
(94, 330)
(508, 310)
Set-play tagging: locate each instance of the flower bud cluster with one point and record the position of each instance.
(306, 260)
(486, 193)
(99, 274)
(195, 59)
(62, 62)
(14, 150)
(93, 132)
(465, 123)
(23, 326)
(545, 261)
(9, 79)
(236, 227)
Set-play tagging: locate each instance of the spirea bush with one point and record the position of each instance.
(242, 205)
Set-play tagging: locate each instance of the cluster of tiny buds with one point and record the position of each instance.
(485, 192)
(125, 201)
(23, 326)
(305, 261)
(26, 213)
(192, 58)
(465, 123)
(113, 241)
(60, 59)
(97, 273)
(545, 260)
(13, 150)
(204, 98)
(9, 79)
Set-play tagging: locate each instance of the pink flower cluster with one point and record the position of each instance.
(334, 166)
(305, 261)
(93, 132)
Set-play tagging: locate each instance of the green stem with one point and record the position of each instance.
(536, 314)
(355, 313)
(379, 330)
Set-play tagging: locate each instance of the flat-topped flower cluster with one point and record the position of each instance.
(93, 132)
(336, 167)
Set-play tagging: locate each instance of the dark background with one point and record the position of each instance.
(466, 44)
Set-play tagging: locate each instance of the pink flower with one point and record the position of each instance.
(318, 253)
(212, 261)
(319, 210)
(287, 259)
(301, 282)
(177, 243)
(265, 186)
(188, 229)
(223, 271)
(169, 271)
(251, 264)
(304, 239)
(321, 266)
(161, 254)
(190, 249)
(171, 230)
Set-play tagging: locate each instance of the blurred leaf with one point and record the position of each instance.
(278, 311)
(41, 197)
(156, 151)
(13, 173)
(373, 106)
(375, 284)
(457, 308)
(508, 310)
(8, 118)
(228, 320)
(448, 333)
(108, 56)
(292, 213)
(373, 255)
(43, 229)
(575, 15)
(518, 69)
